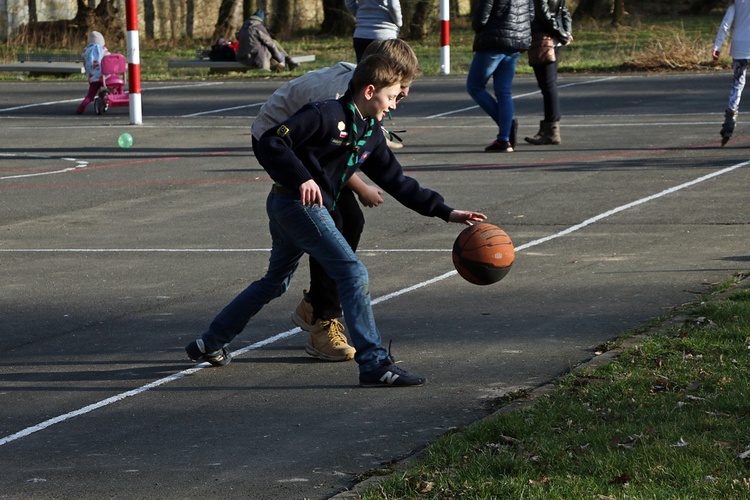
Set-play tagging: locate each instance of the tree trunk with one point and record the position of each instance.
(148, 18)
(336, 19)
(423, 20)
(618, 12)
(189, 18)
(32, 11)
(282, 21)
(701, 7)
(75, 32)
(593, 9)
(223, 26)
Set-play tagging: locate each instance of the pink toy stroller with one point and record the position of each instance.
(112, 92)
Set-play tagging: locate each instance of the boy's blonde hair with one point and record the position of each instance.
(378, 70)
(401, 52)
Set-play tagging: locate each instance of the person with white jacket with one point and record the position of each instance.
(376, 20)
(738, 13)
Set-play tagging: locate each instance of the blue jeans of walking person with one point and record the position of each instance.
(296, 230)
(501, 67)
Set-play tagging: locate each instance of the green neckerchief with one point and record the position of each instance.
(356, 143)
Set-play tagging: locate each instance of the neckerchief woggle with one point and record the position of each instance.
(355, 145)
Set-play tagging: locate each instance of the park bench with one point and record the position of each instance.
(203, 62)
(46, 64)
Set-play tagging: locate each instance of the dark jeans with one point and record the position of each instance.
(546, 78)
(360, 45)
(350, 221)
(297, 229)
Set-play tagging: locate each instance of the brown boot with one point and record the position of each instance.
(538, 135)
(303, 315)
(327, 341)
(549, 133)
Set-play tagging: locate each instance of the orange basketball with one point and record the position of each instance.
(483, 254)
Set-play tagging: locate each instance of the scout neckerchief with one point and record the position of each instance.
(355, 145)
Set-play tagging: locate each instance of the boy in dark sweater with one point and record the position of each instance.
(310, 157)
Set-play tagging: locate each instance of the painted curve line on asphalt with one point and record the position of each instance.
(86, 409)
(79, 164)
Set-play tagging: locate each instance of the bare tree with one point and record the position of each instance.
(618, 12)
(336, 19)
(700, 7)
(149, 14)
(282, 22)
(102, 18)
(189, 18)
(32, 11)
(423, 19)
(593, 9)
(223, 26)
(419, 17)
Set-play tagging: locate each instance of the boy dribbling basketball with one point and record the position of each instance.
(310, 157)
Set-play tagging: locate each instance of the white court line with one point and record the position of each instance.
(148, 89)
(440, 115)
(220, 110)
(288, 333)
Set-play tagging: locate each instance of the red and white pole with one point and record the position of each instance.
(445, 37)
(134, 62)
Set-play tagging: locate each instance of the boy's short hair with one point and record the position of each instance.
(401, 52)
(378, 70)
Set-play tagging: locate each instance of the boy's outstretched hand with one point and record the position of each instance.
(465, 217)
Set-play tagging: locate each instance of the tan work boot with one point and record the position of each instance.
(327, 341)
(303, 315)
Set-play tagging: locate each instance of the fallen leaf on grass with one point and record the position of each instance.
(629, 442)
(427, 487)
(623, 478)
(543, 480)
(680, 443)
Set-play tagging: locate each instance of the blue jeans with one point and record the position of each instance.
(296, 230)
(501, 67)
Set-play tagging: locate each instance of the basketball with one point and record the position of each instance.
(483, 254)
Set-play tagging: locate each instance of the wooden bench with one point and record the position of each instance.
(47, 64)
(224, 66)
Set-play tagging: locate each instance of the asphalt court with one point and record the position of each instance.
(112, 259)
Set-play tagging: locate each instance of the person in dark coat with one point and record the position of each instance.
(502, 30)
(258, 49)
(551, 19)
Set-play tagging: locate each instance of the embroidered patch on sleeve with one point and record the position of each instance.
(282, 131)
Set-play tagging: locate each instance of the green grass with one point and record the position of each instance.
(668, 418)
(645, 44)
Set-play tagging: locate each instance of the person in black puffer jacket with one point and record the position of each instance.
(551, 19)
(502, 31)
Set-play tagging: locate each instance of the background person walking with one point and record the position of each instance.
(738, 13)
(376, 20)
(502, 30)
(550, 29)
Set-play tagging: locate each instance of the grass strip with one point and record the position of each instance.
(668, 417)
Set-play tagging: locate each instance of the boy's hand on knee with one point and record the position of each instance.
(466, 217)
(309, 193)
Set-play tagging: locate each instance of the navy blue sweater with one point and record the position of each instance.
(314, 143)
